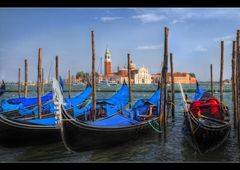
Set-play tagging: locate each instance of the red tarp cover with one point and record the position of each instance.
(210, 108)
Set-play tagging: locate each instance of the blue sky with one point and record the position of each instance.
(194, 38)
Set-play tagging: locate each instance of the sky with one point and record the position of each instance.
(194, 39)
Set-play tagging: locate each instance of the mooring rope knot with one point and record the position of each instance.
(157, 130)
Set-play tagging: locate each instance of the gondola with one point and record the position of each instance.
(33, 130)
(2, 88)
(11, 106)
(120, 127)
(28, 129)
(207, 122)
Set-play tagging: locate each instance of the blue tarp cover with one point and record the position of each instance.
(51, 121)
(49, 107)
(127, 118)
(115, 120)
(198, 93)
(112, 104)
(31, 100)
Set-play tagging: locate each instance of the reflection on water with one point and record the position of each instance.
(152, 147)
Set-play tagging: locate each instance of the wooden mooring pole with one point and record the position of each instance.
(69, 84)
(56, 68)
(238, 83)
(221, 71)
(26, 79)
(234, 83)
(19, 82)
(160, 102)
(39, 83)
(211, 75)
(172, 87)
(42, 82)
(129, 81)
(165, 69)
(93, 78)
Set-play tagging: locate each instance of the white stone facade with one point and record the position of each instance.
(143, 76)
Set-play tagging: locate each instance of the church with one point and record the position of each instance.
(138, 76)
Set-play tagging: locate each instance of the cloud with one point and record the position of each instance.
(105, 19)
(175, 21)
(228, 39)
(200, 49)
(149, 47)
(148, 18)
(174, 15)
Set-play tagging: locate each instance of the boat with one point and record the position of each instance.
(122, 126)
(2, 88)
(26, 128)
(11, 106)
(31, 130)
(107, 82)
(112, 83)
(206, 122)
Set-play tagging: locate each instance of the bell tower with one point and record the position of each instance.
(107, 62)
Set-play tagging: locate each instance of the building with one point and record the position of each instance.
(107, 63)
(138, 76)
(142, 77)
(120, 75)
(183, 78)
(155, 78)
(227, 81)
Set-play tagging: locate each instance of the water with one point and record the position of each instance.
(153, 147)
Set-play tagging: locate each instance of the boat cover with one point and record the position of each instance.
(112, 104)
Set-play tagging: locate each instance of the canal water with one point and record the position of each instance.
(153, 147)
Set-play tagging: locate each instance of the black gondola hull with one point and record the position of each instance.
(80, 137)
(205, 139)
(14, 133)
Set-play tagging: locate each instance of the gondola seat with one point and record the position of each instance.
(148, 115)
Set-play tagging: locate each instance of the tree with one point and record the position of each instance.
(192, 74)
(83, 76)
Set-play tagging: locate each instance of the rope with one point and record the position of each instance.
(171, 103)
(199, 125)
(157, 130)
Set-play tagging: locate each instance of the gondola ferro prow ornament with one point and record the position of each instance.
(183, 97)
(58, 103)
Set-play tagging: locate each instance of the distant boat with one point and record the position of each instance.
(112, 83)
(108, 83)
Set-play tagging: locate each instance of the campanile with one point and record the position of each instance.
(107, 62)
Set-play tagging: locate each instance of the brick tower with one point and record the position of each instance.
(108, 63)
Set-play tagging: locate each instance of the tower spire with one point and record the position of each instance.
(108, 63)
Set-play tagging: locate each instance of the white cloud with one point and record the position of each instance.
(149, 47)
(148, 18)
(200, 48)
(174, 15)
(228, 39)
(105, 19)
(175, 21)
